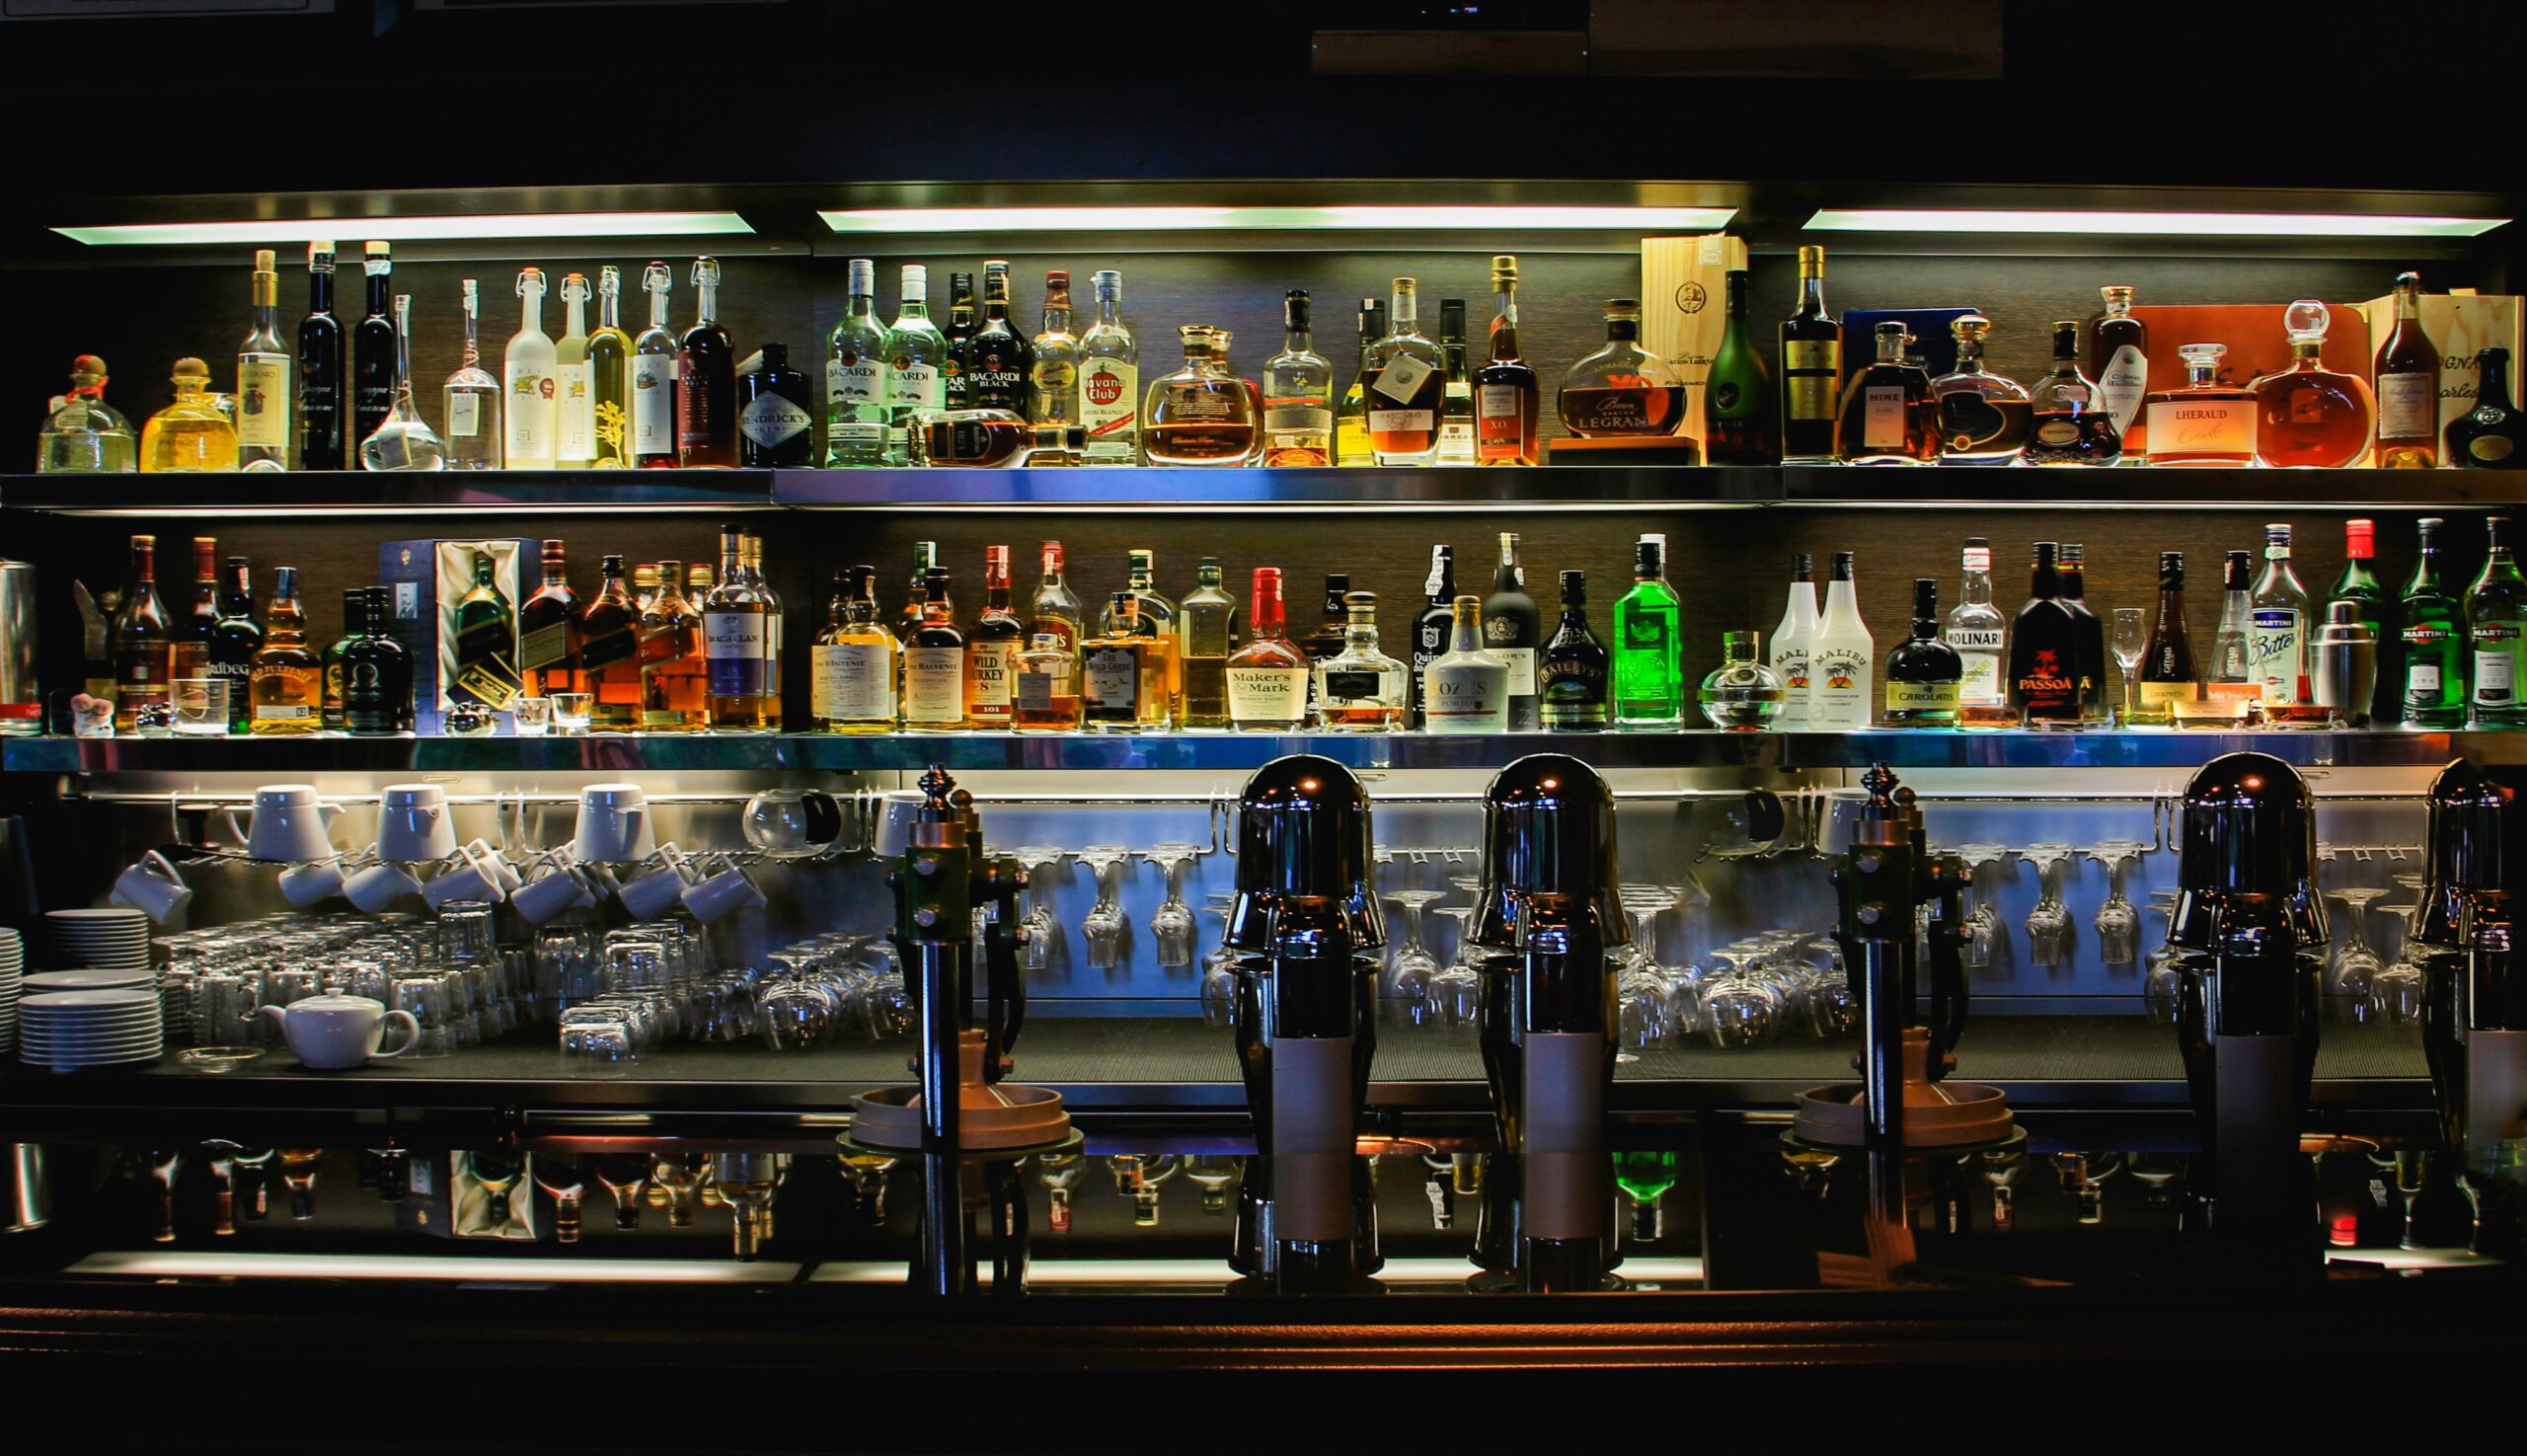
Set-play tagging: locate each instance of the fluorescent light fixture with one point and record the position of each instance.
(1214, 1272)
(2157, 224)
(916, 220)
(529, 1270)
(413, 229)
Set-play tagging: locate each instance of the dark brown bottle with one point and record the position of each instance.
(143, 639)
(705, 394)
(548, 633)
(1812, 366)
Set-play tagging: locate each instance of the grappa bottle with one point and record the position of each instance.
(404, 441)
(473, 399)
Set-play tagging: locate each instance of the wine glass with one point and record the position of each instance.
(1408, 973)
(2117, 922)
(2395, 991)
(1173, 921)
(2163, 984)
(1641, 989)
(2356, 968)
(2048, 925)
(1043, 946)
(1219, 968)
(2130, 640)
(1456, 992)
(1738, 1010)
(1104, 922)
(1982, 925)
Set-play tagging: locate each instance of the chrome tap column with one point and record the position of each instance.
(2474, 1024)
(1306, 930)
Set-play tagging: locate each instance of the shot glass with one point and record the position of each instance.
(570, 712)
(532, 718)
(201, 705)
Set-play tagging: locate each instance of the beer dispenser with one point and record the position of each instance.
(1306, 931)
(1546, 918)
(2474, 1024)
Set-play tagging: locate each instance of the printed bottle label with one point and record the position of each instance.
(2408, 408)
(992, 678)
(934, 684)
(530, 413)
(769, 420)
(544, 646)
(2179, 427)
(1922, 697)
(913, 385)
(1267, 695)
(1521, 662)
(2121, 385)
(2496, 677)
(1401, 376)
(1403, 422)
(1110, 679)
(1839, 694)
(654, 405)
(2274, 648)
(854, 379)
(579, 411)
(853, 682)
(1883, 426)
(464, 416)
(263, 400)
(1981, 684)
(1036, 691)
(1109, 392)
(734, 647)
(2165, 693)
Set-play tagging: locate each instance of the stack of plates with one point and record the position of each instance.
(110, 938)
(69, 1029)
(13, 965)
(90, 980)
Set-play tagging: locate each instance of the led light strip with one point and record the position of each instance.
(2156, 224)
(413, 229)
(915, 220)
(529, 1270)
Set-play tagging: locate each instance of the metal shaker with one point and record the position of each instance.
(2342, 664)
(21, 700)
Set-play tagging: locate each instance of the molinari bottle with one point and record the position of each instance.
(1792, 643)
(1843, 659)
(1979, 633)
(1923, 672)
(2435, 661)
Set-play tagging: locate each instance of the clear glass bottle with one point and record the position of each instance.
(1206, 624)
(2497, 631)
(1923, 674)
(2072, 425)
(1122, 681)
(1109, 378)
(2307, 415)
(2278, 642)
(574, 404)
(1198, 416)
(528, 367)
(86, 435)
(1360, 689)
(1980, 633)
(1456, 397)
(472, 399)
(1742, 695)
(675, 677)
(2406, 375)
(1465, 689)
(2119, 362)
(1045, 701)
(1351, 415)
(1298, 392)
(854, 661)
(2235, 686)
(286, 684)
(914, 350)
(856, 414)
(264, 398)
(1842, 658)
(1402, 380)
(1983, 417)
(1053, 376)
(1649, 670)
(402, 441)
(193, 434)
(1887, 415)
(1793, 645)
(1267, 677)
(934, 695)
(1622, 389)
(610, 374)
(2202, 422)
(654, 360)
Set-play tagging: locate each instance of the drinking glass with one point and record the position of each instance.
(1457, 992)
(201, 705)
(2130, 640)
(2117, 922)
(571, 711)
(1982, 921)
(2356, 968)
(1219, 970)
(2162, 987)
(1105, 923)
(1173, 921)
(598, 1043)
(427, 994)
(1412, 966)
(532, 718)
(1739, 1010)
(1043, 948)
(1642, 1000)
(2048, 925)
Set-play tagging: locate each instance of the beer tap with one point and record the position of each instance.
(2473, 1026)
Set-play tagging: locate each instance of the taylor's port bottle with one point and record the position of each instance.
(1737, 401)
(2072, 424)
(320, 369)
(774, 414)
(2433, 680)
(1572, 668)
(1511, 629)
(706, 366)
(1431, 632)
(2044, 650)
(2166, 668)
(1812, 370)
(2488, 436)
(1923, 672)
(2496, 616)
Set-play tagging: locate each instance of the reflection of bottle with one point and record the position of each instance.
(1792, 641)
(2495, 615)
(2434, 666)
(2119, 362)
(2087, 634)
(2305, 413)
(2407, 371)
(1811, 368)
(1843, 659)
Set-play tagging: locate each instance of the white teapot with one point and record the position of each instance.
(331, 1034)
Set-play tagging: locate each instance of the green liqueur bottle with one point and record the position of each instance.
(1645, 1176)
(1570, 671)
(2495, 613)
(2434, 673)
(2359, 585)
(1649, 679)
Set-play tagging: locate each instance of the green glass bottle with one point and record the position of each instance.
(2495, 614)
(1738, 397)
(2433, 679)
(2359, 585)
(1649, 678)
(487, 640)
(1645, 1176)
(235, 638)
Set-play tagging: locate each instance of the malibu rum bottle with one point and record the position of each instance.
(2435, 668)
(287, 681)
(610, 655)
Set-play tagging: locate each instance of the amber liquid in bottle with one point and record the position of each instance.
(2406, 373)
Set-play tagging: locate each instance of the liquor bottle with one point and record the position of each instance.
(1571, 668)
(1267, 677)
(84, 434)
(191, 655)
(2205, 423)
(954, 388)
(1923, 674)
(323, 443)
(914, 350)
(2167, 667)
(530, 366)
(934, 664)
(856, 377)
(1326, 642)
(1980, 633)
(235, 638)
(1842, 660)
(574, 402)
(1200, 414)
(706, 366)
(378, 673)
(991, 651)
(1056, 610)
(287, 679)
(1298, 394)
(610, 654)
(644, 587)
(998, 361)
(1888, 414)
(486, 641)
(1053, 389)
(2072, 425)
(1436, 626)
(1121, 681)
(854, 662)
(609, 358)
(142, 639)
(472, 399)
(374, 345)
(1045, 669)
(2487, 435)
(1794, 646)
(2236, 684)
(1513, 627)
(1109, 378)
(1456, 394)
(1351, 418)
(1402, 380)
(193, 434)
(2359, 585)
(1983, 417)
(1621, 389)
(736, 648)
(2044, 650)
(2278, 645)
(2088, 632)
(2496, 616)
(337, 656)
(774, 414)
(2119, 362)
(2307, 413)
(675, 675)
(1649, 670)
(1504, 387)
(654, 382)
(264, 392)
(1812, 372)
(750, 561)
(1159, 620)
(2433, 682)
(2406, 383)
(548, 632)
(404, 441)
(1360, 689)
(1207, 626)
(1739, 401)
(925, 555)
(1465, 689)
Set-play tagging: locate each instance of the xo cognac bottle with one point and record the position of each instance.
(2307, 415)
(2072, 425)
(1983, 417)
(2119, 362)
(1504, 387)
(1622, 389)
(2205, 423)
(1888, 414)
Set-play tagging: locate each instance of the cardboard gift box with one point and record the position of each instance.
(1684, 309)
(2257, 343)
(2461, 326)
(425, 581)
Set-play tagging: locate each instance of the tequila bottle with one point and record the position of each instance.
(1360, 690)
(528, 368)
(854, 661)
(263, 393)
(654, 377)
(402, 441)
(1110, 379)
(574, 380)
(610, 374)
(1298, 392)
(1648, 669)
(1267, 677)
(914, 350)
(287, 681)
(856, 412)
(2495, 617)
(86, 435)
(2434, 632)
(473, 399)
(191, 434)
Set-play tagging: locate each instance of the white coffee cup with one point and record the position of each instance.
(377, 888)
(329, 1034)
(614, 825)
(474, 878)
(653, 893)
(153, 887)
(718, 895)
(289, 824)
(497, 863)
(312, 883)
(413, 824)
(557, 890)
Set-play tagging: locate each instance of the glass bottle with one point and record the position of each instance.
(1436, 626)
(1221, 366)
(610, 654)
(1198, 416)
(1742, 694)
(914, 352)
(287, 680)
(485, 640)
(2235, 684)
(2307, 415)
(2202, 422)
(1123, 684)
(954, 388)
(1793, 645)
(2119, 362)
(644, 587)
(1109, 378)
(1465, 689)
(1842, 660)
(1512, 627)
(1351, 416)
(1298, 392)
(1206, 623)
(1326, 642)
(1057, 609)
(1456, 395)
(1267, 677)
(2044, 680)
(2486, 436)
(2087, 634)
(193, 434)
(934, 694)
(527, 367)
(192, 635)
(655, 362)
(323, 440)
(2071, 424)
(1052, 390)
(2167, 665)
(856, 376)
(610, 374)
(1983, 417)
(925, 555)
(775, 414)
(2496, 616)
(1649, 670)
(355, 625)
(235, 640)
(2359, 585)
(1980, 633)
(1621, 389)
(1360, 690)
(264, 392)
(472, 399)
(675, 675)
(1571, 668)
(705, 367)
(2278, 643)
(1505, 390)
(991, 651)
(998, 362)
(1811, 368)
(1402, 381)
(750, 560)
(1888, 414)
(142, 639)
(854, 661)
(1738, 400)
(2406, 375)
(373, 344)
(574, 406)
(377, 674)
(1044, 670)
(404, 441)
(2433, 681)
(548, 630)
(1160, 621)
(736, 648)
(1923, 674)
(86, 435)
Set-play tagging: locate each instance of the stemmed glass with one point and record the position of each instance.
(2048, 925)
(1641, 988)
(1219, 968)
(2356, 968)
(2130, 640)
(2396, 992)
(1104, 922)
(2161, 985)
(1457, 990)
(1982, 922)
(1738, 1010)
(1410, 974)
(2117, 922)
(1173, 921)
(1043, 932)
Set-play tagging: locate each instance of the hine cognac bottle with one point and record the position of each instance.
(1888, 414)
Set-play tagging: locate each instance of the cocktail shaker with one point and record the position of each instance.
(2342, 664)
